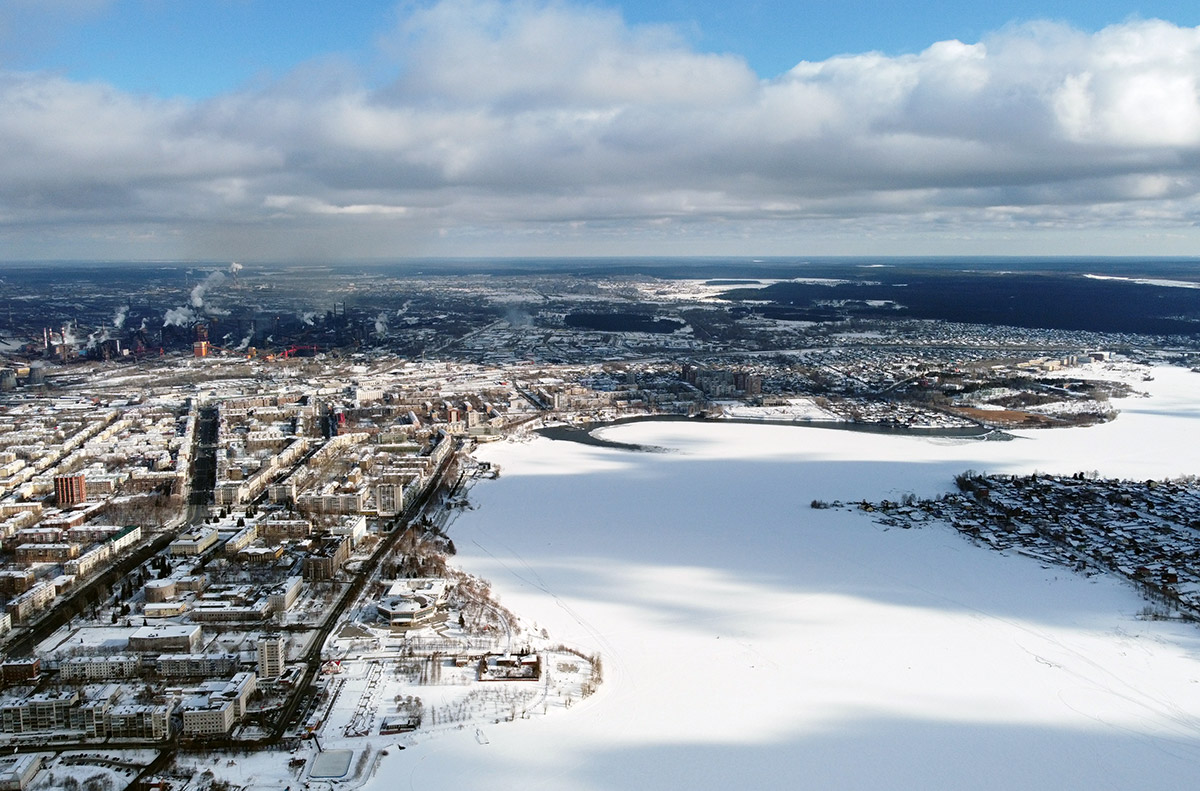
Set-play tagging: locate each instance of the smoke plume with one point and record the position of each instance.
(214, 279)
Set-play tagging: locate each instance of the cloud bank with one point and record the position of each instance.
(526, 127)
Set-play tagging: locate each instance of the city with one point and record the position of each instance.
(594, 395)
(248, 546)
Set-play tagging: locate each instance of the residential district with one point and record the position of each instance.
(208, 548)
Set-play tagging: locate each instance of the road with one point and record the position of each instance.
(312, 656)
(61, 615)
(93, 590)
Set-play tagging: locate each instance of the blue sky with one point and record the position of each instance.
(200, 48)
(240, 129)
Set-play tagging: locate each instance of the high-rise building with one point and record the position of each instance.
(272, 653)
(69, 489)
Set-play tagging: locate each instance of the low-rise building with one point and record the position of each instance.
(160, 590)
(193, 583)
(27, 554)
(410, 603)
(14, 581)
(218, 706)
(205, 716)
(166, 609)
(41, 711)
(230, 611)
(89, 561)
(260, 555)
(326, 557)
(17, 771)
(284, 595)
(241, 539)
(100, 668)
(285, 528)
(197, 665)
(40, 535)
(20, 671)
(31, 601)
(194, 542)
(140, 721)
(167, 637)
(352, 527)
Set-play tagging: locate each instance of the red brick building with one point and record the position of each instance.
(70, 489)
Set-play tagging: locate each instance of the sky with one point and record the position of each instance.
(303, 130)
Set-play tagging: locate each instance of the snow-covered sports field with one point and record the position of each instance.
(750, 641)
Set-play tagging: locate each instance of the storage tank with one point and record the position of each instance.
(160, 590)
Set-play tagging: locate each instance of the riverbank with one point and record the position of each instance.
(591, 433)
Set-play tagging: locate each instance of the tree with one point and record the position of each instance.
(98, 783)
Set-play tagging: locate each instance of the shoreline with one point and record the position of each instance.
(722, 603)
(586, 433)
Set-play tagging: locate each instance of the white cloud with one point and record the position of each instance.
(562, 124)
(537, 54)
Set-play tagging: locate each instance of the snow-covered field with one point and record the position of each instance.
(750, 641)
(797, 409)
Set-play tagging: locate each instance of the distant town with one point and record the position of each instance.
(227, 492)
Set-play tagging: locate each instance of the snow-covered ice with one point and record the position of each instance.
(750, 641)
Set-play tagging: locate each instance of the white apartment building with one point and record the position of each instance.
(272, 654)
(100, 668)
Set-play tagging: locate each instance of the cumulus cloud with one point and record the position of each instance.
(525, 55)
(556, 124)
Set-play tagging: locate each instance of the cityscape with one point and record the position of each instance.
(249, 546)
(605, 395)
